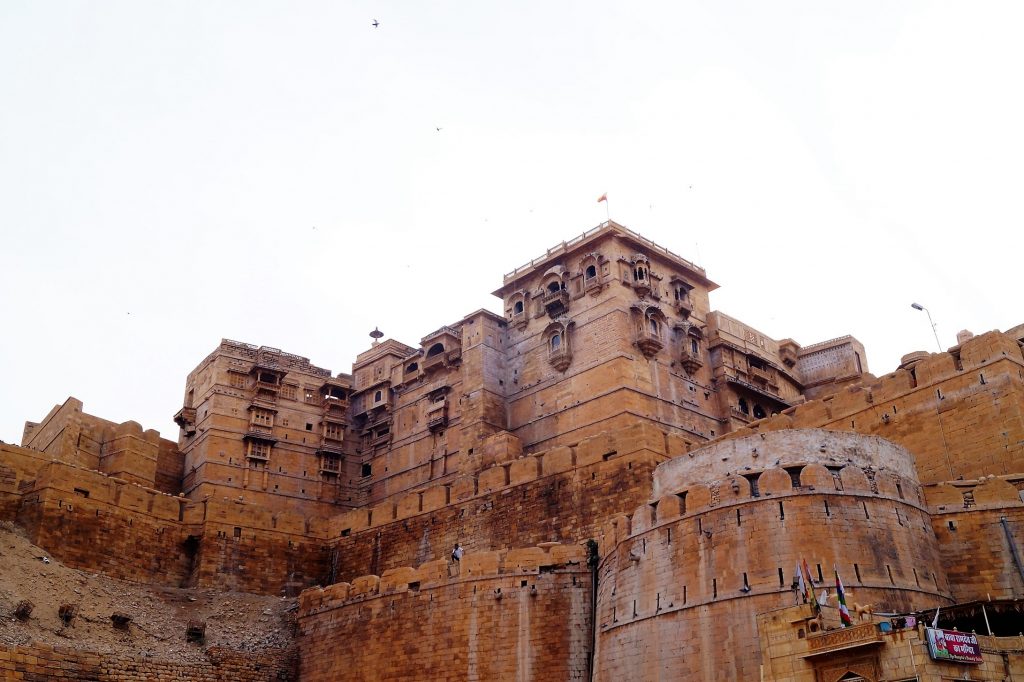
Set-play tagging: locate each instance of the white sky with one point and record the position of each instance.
(172, 173)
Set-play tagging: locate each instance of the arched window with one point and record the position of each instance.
(591, 272)
(556, 342)
(517, 308)
(639, 274)
(554, 287)
(377, 396)
(694, 346)
(759, 412)
(413, 366)
(654, 325)
(744, 408)
(435, 349)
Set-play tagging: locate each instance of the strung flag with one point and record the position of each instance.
(844, 613)
(801, 585)
(810, 589)
(603, 197)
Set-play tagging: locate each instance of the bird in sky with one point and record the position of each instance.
(376, 23)
(438, 129)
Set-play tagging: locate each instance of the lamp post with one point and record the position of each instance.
(918, 306)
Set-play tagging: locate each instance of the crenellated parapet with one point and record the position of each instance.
(474, 567)
(509, 614)
(508, 468)
(728, 523)
(961, 413)
(980, 526)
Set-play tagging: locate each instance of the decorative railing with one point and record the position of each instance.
(844, 638)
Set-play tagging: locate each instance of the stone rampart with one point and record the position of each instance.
(960, 413)
(519, 614)
(99, 523)
(707, 554)
(555, 495)
(980, 525)
(39, 663)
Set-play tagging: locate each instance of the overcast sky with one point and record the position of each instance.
(287, 174)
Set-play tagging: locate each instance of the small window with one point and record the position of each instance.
(556, 341)
(517, 309)
(366, 470)
(554, 287)
(591, 272)
(309, 427)
(744, 408)
(759, 412)
(378, 396)
(654, 326)
(435, 349)
(413, 366)
(694, 346)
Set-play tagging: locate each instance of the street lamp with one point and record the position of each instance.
(918, 306)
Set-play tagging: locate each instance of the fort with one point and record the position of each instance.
(634, 478)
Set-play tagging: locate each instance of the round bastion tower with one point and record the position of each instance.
(682, 579)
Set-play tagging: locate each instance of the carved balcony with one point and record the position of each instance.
(741, 415)
(684, 306)
(649, 342)
(560, 358)
(331, 405)
(556, 302)
(690, 361)
(866, 634)
(186, 419)
(260, 432)
(437, 416)
(766, 376)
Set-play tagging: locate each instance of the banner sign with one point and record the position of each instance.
(950, 645)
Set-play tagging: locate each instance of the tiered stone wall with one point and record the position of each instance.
(41, 663)
(560, 494)
(968, 518)
(960, 413)
(684, 574)
(67, 434)
(95, 522)
(18, 468)
(522, 614)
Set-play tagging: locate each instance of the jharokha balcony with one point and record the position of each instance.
(186, 419)
(866, 634)
(556, 302)
(649, 342)
(690, 361)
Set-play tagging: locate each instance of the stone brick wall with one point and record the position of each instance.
(18, 468)
(558, 495)
(41, 663)
(98, 523)
(522, 614)
(967, 517)
(681, 577)
(961, 413)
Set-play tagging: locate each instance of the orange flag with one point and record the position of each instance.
(603, 197)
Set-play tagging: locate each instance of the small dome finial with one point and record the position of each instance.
(376, 335)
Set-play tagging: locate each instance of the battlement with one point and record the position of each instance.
(505, 466)
(547, 556)
(961, 413)
(991, 492)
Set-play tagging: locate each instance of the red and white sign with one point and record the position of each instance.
(950, 645)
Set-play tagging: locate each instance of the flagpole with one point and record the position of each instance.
(607, 211)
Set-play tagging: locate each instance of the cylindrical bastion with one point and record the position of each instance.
(683, 577)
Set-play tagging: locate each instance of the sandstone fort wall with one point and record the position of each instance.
(41, 663)
(961, 413)
(701, 558)
(522, 614)
(562, 494)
